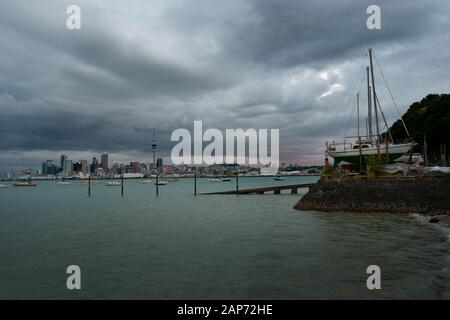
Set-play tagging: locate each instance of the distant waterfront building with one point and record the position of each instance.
(77, 167)
(63, 158)
(159, 164)
(67, 168)
(94, 165)
(136, 167)
(84, 167)
(115, 168)
(104, 162)
(46, 167)
(99, 171)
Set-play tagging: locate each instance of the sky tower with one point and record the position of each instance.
(154, 145)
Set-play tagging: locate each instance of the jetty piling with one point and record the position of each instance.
(157, 184)
(195, 183)
(121, 186)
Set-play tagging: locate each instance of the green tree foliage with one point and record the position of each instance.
(430, 117)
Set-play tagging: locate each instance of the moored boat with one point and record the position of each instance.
(25, 184)
(113, 184)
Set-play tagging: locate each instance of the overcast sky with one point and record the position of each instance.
(137, 65)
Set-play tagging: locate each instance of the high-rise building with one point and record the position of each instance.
(159, 164)
(94, 165)
(84, 167)
(63, 158)
(67, 168)
(104, 162)
(77, 167)
(46, 167)
(136, 167)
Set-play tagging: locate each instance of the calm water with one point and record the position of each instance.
(205, 247)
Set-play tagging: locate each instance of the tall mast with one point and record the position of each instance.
(359, 134)
(357, 114)
(369, 103)
(375, 102)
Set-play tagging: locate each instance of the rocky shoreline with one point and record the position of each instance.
(424, 195)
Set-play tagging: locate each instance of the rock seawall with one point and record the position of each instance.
(421, 195)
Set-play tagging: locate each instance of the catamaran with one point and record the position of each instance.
(371, 143)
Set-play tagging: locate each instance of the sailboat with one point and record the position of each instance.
(371, 144)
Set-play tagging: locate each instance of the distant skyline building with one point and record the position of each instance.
(62, 159)
(84, 167)
(67, 168)
(47, 167)
(159, 164)
(136, 167)
(104, 162)
(94, 165)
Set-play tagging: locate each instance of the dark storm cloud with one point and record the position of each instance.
(293, 65)
(287, 33)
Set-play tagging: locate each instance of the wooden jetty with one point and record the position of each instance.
(274, 189)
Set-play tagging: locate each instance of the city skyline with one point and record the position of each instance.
(281, 69)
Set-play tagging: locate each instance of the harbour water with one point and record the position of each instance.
(205, 247)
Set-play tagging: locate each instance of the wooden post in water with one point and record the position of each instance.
(157, 184)
(237, 182)
(195, 182)
(89, 185)
(122, 186)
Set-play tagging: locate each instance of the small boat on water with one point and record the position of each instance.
(64, 183)
(226, 179)
(147, 181)
(2, 186)
(278, 178)
(161, 183)
(25, 184)
(86, 182)
(113, 184)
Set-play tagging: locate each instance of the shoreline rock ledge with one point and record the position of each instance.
(430, 195)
